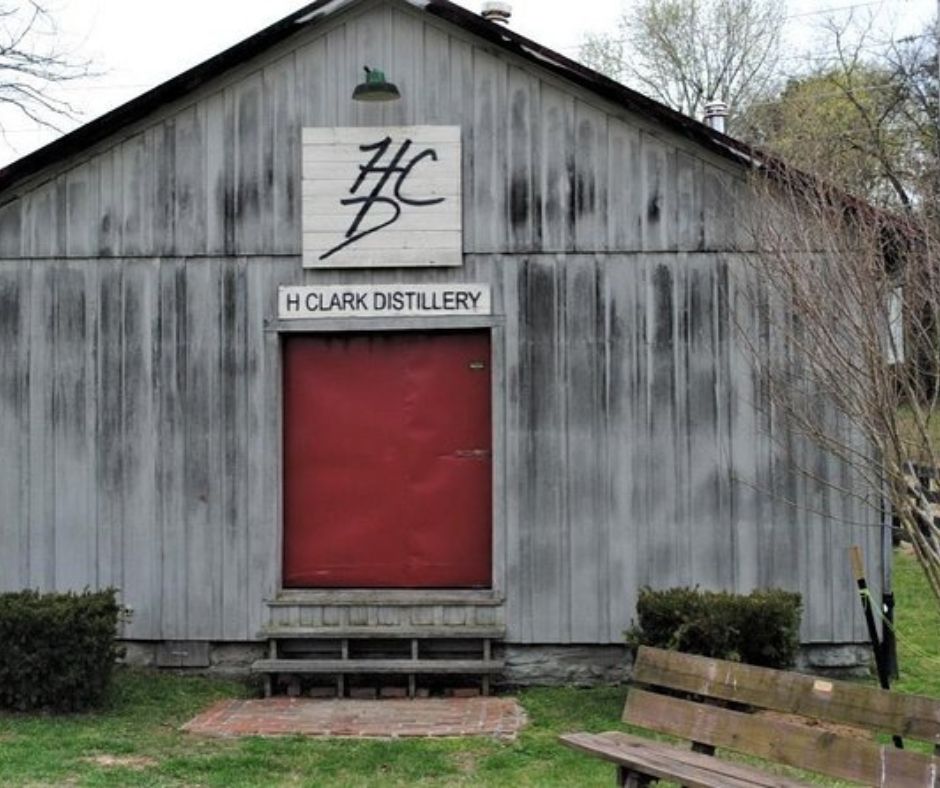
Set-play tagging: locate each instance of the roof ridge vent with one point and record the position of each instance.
(496, 11)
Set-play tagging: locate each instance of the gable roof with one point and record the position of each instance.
(315, 13)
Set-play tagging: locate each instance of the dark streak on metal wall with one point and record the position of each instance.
(139, 394)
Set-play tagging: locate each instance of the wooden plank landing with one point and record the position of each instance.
(383, 632)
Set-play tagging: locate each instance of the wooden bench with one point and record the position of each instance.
(806, 722)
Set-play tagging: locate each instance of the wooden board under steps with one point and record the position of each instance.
(400, 666)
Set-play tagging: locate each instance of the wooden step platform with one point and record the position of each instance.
(385, 632)
(390, 597)
(342, 651)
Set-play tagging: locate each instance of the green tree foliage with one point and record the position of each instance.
(820, 124)
(865, 120)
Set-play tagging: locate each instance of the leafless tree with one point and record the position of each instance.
(914, 62)
(33, 62)
(688, 52)
(839, 285)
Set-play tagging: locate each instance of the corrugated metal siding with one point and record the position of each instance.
(547, 170)
(140, 369)
(139, 424)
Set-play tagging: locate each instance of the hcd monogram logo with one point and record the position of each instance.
(376, 196)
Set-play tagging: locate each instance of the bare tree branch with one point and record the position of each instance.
(686, 53)
(33, 63)
(865, 119)
(822, 273)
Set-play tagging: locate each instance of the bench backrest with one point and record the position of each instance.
(823, 749)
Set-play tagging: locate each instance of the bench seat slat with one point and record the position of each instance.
(800, 746)
(668, 762)
(911, 716)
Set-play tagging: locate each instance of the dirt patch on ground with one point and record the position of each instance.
(137, 762)
(466, 762)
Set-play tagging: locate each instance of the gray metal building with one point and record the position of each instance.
(143, 327)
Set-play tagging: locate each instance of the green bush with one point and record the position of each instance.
(57, 651)
(761, 628)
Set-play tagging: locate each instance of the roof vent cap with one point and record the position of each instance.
(497, 11)
(716, 113)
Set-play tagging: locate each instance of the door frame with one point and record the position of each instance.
(498, 382)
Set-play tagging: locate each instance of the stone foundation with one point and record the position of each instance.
(218, 659)
(845, 660)
(587, 666)
(526, 666)
(139, 653)
(555, 666)
(233, 659)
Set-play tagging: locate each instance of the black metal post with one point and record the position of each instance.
(889, 642)
(858, 568)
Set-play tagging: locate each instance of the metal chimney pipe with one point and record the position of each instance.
(716, 113)
(496, 11)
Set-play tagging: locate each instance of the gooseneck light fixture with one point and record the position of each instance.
(375, 88)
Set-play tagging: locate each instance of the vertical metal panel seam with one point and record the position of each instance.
(24, 353)
(601, 428)
(561, 367)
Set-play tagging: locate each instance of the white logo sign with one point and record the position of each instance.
(383, 301)
(382, 197)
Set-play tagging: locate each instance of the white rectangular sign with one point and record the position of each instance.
(296, 303)
(382, 197)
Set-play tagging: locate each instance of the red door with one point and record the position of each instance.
(387, 460)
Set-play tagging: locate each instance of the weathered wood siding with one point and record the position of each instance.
(140, 433)
(545, 169)
(140, 367)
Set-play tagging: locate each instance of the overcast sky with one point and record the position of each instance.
(138, 44)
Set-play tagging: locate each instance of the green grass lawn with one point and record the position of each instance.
(135, 740)
(918, 628)
(910, 434)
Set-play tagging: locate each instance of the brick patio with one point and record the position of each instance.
(383, 719)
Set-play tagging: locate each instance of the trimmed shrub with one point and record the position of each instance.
(761, 628)
(57, 651)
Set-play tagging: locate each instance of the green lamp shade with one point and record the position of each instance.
(375, 88)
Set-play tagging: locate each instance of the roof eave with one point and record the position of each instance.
(139, 108)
